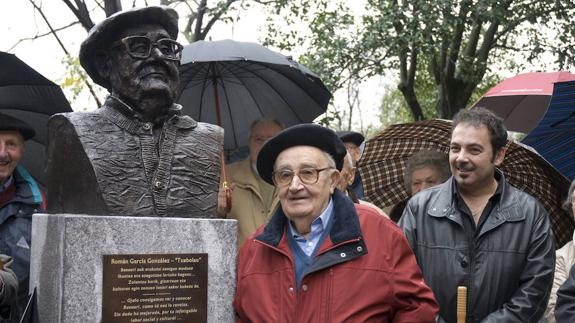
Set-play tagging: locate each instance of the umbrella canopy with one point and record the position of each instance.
(523, 99)
(247, 81)
(29, 96)
(554, 137)
(385, 155)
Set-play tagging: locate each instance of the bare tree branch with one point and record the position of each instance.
(41, 12)
(81, 12)
(37, 36)
(112, 6)
(216, 16)
(199, 19)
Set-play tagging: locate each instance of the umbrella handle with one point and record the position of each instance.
(225, 183)
(461, 304)
(228, 196)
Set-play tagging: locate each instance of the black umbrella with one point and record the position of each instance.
(232, 84)
(29, 96)
(252, 82)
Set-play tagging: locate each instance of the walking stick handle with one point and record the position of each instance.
(461, 304)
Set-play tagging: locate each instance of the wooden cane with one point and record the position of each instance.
(461, 304)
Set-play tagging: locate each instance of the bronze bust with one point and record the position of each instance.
(137, 155)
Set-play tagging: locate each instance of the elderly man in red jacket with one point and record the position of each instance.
(321, 258)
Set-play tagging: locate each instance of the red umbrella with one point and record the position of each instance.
(523, 99)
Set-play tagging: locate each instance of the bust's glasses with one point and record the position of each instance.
(141, 47)
(307, 176)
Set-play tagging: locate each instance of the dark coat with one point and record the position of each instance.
(16, 228)
(508, 274)
(565, 307)
(363, 272)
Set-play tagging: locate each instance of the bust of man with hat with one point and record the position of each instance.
(20, 197)
(136, 155)
(321, 253)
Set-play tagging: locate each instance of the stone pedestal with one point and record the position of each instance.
(67, 259)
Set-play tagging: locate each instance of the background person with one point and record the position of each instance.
(253, 199)
(322, 258)
(346, 177)
(564, 259)
(352, 141)
(565, 308)
(478, 231)
(424, 169)
(20, 197)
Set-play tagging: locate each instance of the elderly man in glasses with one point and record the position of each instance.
(136, 155)
(322, 258)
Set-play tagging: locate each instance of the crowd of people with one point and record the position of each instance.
(311, 248)
(465, 226)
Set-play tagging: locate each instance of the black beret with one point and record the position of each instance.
(107, 31)
(351, 136)
(9, 123)
(307, 134)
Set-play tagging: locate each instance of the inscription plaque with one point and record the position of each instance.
(155, 288)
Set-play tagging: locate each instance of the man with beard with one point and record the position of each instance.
(136, 155)
(478, 231)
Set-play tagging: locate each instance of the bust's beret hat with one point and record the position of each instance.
(107, 31)
(307, 134)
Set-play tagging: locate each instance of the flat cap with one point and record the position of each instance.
(107, 31)
(351, 136)
(9, 123)
(307, 134)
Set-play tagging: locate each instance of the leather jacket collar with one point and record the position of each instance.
(506, 209)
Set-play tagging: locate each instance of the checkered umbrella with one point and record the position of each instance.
(385, 155)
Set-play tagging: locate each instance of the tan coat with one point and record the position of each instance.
(248, 206)
(564, 260)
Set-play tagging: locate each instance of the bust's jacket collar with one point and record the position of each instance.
(127, 118)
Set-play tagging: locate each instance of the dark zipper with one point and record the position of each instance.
(470, 290)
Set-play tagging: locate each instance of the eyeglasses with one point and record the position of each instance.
(307, 176)
(141, 47)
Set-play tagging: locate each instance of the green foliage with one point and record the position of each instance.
(331, 41)
(73, 79)
(74, 83)
(444, 52)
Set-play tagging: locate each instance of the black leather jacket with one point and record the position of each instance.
(509, 273)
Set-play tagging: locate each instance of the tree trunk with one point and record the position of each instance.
(408, 92)
(112, 6)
